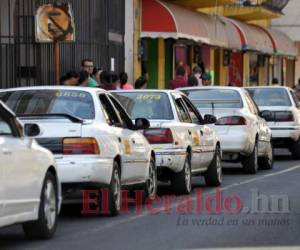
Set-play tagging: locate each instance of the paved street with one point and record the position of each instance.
(192, 231)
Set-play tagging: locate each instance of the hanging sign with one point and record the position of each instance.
(54, 23)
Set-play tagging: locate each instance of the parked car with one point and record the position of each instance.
(244, 135)
(184, 145)
(94, 141)
(281, 109)
(30, 190)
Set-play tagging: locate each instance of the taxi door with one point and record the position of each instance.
(135, 146)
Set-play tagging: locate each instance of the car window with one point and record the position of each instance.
(270, 96)
(5, 128)
(216, 98)
(295, 98)
(150, 105)
(35, 102)
(122, 113)
(196, 117)
(109, 112)
(182, 111)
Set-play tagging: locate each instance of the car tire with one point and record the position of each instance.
(250, 163)
(267, 161)
(213, 176)
(182, 182)
(45, 226)
(295, 150)
(114, 191)
(150, 187)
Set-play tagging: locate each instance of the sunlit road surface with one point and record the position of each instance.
(252, 227)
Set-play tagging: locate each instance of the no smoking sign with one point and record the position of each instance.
(55, 23)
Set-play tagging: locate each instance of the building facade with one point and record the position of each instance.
(289, 23)
(99, 34)
(229, 39)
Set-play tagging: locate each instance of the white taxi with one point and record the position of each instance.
(184, 145)
(30, 189)
(244, 135)
(94, 141)
(281, 109)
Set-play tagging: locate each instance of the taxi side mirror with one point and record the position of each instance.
(142, 123)
(32, 130)
(266, 114)
(210, 119)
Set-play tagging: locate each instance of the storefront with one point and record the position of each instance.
(235, 53)
(173, 36)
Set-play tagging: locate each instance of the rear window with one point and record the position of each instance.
(270, 97)
(219, 98)
(34, 102)
(150, 105)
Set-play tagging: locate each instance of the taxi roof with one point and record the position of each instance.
(167, 91)
(86, 89)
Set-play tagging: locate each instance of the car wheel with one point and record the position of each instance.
(182, 181)
(267, 161)
(114, 192)
(150, 187)
(45, 226)
(295, 150)
(250, 163)
(213, 176)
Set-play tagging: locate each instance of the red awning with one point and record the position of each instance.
(252, 37)
(165, 20)
(283, 44)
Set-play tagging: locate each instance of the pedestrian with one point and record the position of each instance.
(124, 81)
(109, 81)
(83, 78)
(275, 81)
(179, 80)
(96, 75)
(206, 79)
(140, 83)
(88, 66)
(70, 79)
(193, 81)
(297, 91)
(197, 72)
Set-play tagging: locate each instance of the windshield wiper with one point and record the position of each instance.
(72, 118)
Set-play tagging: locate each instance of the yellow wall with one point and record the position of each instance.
(136, 43)
(161, 63)
(246, 69)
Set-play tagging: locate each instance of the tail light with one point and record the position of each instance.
(232, 121)
(81, 146)
(284, 116)
(159, 135)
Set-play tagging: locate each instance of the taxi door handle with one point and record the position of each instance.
(6, 152)
(133, 141)
(119, 139)
(190, 133)
(201, 132)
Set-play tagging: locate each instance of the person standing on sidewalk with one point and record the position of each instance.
(124, 81)
(88, 66)
(179, 80)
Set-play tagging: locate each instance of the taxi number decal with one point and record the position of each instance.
(196, 139)
(127, 147)
(70, 94)
(148, 97)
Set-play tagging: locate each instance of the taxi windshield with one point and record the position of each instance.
(40, 102)
(218, 98)
(150, 105)
(270, 97)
